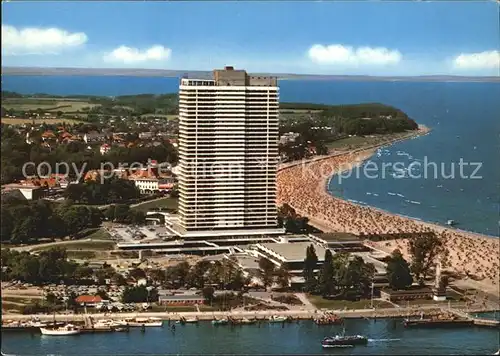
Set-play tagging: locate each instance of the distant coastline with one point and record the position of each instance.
(137, 72)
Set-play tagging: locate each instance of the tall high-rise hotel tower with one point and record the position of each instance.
(228, 153)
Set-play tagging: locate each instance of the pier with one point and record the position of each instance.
(475, 320)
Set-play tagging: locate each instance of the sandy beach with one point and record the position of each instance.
(304, 187)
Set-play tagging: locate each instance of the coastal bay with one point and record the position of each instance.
(470, 254)
(386, 336)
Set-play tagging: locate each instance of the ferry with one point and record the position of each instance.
(140, 322)
(344, 341)
(65, 330)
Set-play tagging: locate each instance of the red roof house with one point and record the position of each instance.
(88, 299)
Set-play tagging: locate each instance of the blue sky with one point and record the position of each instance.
(376, 38)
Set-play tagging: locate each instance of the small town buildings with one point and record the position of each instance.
(30, 192)
(104, 148)
(288, 137)
(181, 299)
(409, 294)
(88, 300)
(146, 135)
(94, 137)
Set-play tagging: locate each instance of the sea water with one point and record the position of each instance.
(386, 337)
(464, 119)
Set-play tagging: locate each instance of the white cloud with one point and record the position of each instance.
(347, 55)
(33, 40)
(479, 60)
(129, 55)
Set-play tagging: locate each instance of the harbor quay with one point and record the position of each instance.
(429, 310)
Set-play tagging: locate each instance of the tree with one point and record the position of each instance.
(424, 249)
(310, 264)
(208, 294)
(198, 274)
(157, 276)
(266, 271)
(178, 275)
(398, 271)
(283, 277)
(326, 278)
(139, 294)
(137, 273)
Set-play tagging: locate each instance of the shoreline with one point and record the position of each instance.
(470, 252)
(381, 313)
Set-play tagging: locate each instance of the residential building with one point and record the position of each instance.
(94, 137)
(181, 299)
(228, 154)
(104, 148)
(88, 300)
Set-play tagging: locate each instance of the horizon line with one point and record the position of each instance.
(30, 70)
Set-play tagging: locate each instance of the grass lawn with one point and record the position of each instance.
(81, 255)
(321, 303)
(164, 203)
(356, 141)
(11, 307)
(179, 309)
(169, 117)
(16, 300)
(100, 235)
(79, 245)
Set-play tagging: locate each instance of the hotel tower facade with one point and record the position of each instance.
(228, 155)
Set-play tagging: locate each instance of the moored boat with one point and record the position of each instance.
(184, 320)
(220, 321)
(144, 322)
(65, 330)
(277, 319)
(329, 319)
(246, 321)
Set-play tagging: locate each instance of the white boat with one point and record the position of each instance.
(497, 353)
(451, 222)
(108, 323)
(277, 319)
(187, 320)
(65, 330)
(139, 322)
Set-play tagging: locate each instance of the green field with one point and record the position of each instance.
(169, 117)
(81, 255)
(353, 142)
(100, 234)
(11, 121)
(47, 104)
(163, 203)
(321, 303)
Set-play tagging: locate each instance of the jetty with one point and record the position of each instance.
(474, 320)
